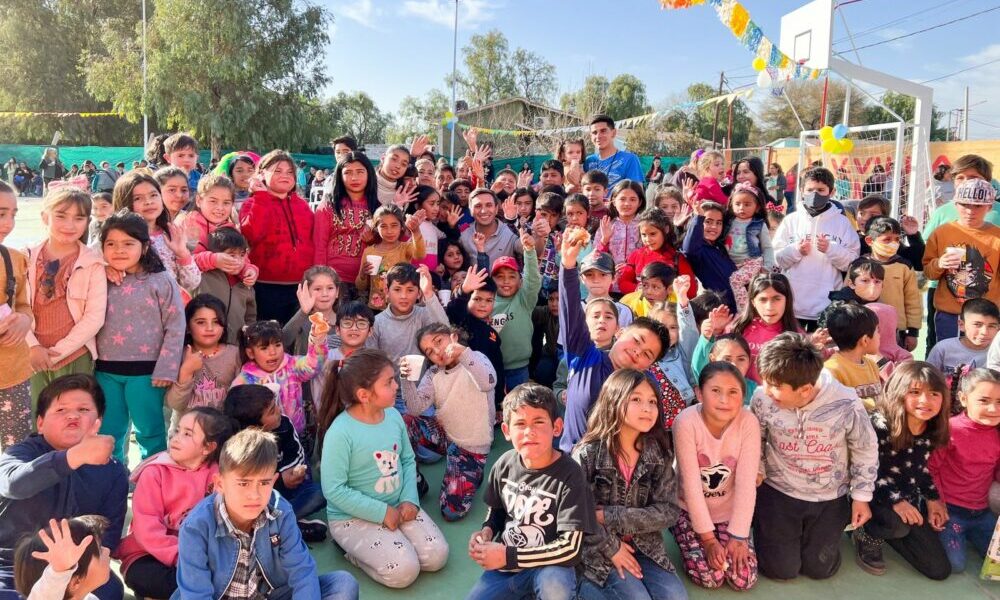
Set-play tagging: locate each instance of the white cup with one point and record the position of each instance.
(444, 296)
(415, 364)
(375, 261)
(955, 251)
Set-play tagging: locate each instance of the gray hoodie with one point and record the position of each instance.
(821, 451)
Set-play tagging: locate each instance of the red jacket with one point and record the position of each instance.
(709, 189)
(280, 235)
(639, 258)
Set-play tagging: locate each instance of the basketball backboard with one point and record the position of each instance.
(807, 34)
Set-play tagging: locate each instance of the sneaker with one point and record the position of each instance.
(422, 486)
(868, 552)
(313, 530)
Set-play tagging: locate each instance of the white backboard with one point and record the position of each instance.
(807, 33)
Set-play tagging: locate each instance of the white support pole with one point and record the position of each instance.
(454, 82)
(847, 103)
(897, 178)
(145, 117)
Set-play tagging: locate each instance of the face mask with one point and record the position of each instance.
(885, 248)
(814, 203)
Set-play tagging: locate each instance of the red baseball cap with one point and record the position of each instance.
(504, 262)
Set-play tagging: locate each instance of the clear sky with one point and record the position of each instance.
(394, 48)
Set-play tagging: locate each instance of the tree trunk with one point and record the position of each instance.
(216, 146)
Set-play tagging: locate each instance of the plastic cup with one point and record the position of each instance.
(415, 362)
(374, 260)
(444, 296)
(955, 251)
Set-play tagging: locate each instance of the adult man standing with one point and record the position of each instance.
(616, 164)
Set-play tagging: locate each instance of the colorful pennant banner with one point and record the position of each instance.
(734, 16)
(11, 113)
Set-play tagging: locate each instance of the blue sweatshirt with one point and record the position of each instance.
(37, 484)
(588, 366)
(711, 263)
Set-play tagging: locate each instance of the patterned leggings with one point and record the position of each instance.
(696, 564)
(15, 414)
(463, 472)
(392, 558)
(741, 278)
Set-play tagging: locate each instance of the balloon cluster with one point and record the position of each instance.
(834, 139)
(449, 120)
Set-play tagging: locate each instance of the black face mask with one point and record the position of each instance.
(815, 203)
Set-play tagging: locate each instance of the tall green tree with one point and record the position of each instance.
(43, 42)
(626, 97)
(778, 119)
(702, 118)
(419, 116)
(361, 118)
(494, 72)
(590, 99)
(239, 74)
(904, 106)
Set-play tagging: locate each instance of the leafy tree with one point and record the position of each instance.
(626, 97)
(591, 99)
(779, 121)
(702, 118)
(493, 72)
(534, 77)
(904, 106)
(237, 74)
(419, 116)
(43, 42)
(361, 118)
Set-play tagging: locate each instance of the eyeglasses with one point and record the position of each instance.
(360, 324)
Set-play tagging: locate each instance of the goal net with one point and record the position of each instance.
(881, 163)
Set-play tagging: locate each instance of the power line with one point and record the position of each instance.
(952, 74)
(984, 123)
(867, 32)
(926, 29)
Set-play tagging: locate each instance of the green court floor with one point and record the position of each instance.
(851, 583)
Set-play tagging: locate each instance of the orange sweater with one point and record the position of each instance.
(16, 367)
(977, 275)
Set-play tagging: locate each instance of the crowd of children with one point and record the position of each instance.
(681, 362)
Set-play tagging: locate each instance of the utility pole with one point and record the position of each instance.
(715, 123)
(145, 117)
(965, 116)
(454, 73)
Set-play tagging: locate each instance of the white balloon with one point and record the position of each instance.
(764, 80)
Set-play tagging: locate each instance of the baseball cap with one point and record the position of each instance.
(504, 262)
(975, 192)
(600, 261)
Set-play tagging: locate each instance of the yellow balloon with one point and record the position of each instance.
(826, 133)
(846, 145)
(759, 64)
(831, 146)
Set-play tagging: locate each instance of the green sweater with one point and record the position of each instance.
(512, 316)
(367, 468)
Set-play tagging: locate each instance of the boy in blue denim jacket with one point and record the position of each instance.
(243, 541)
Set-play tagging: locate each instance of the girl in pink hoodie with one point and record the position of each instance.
(167, 486)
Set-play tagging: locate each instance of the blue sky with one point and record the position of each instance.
(395, 48)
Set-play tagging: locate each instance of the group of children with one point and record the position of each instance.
(691, 365)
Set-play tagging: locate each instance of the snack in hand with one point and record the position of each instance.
(320, 326)
(578, 235)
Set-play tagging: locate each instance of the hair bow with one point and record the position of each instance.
(778, 208)
(744, 186)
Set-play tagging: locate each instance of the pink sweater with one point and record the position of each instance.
(718, 475)
(164, 494)
(709, 189)
(964, 469)
(758, 333)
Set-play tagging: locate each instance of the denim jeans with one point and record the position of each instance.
(542, 583)
(305, 499)
(966, 526)
(338, 585)
(945, 326)
(515, 377)
(656, 584)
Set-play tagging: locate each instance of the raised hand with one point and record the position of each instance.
(682, 285)
(474, 280)
(570, 248)
(540, 228)
(426, 282)
(419, 145)
(524, 178)
(93, 449)
(604, 229)
(479, 241)
(509, 208)
(909, 224)
(61, 552)
(405, 194)
(453, 215)
(413, 221)
(305, 297)
(720, 317)
(177, 242)
(527, 241)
